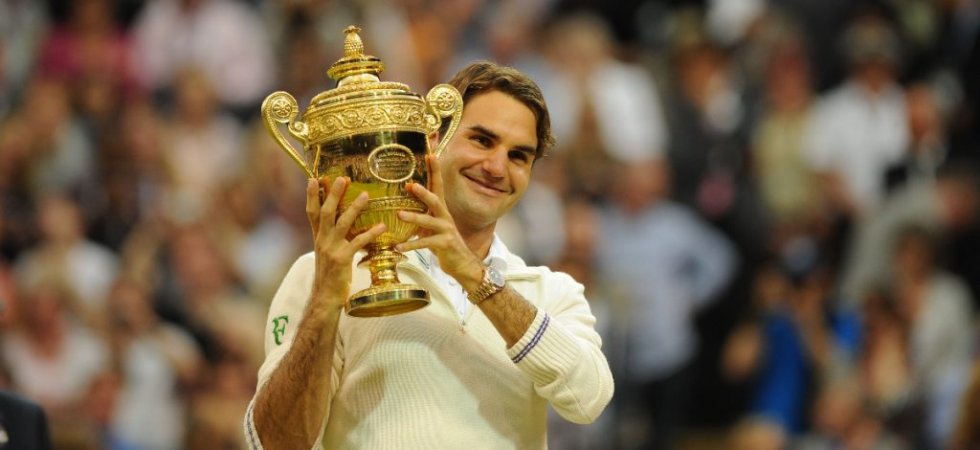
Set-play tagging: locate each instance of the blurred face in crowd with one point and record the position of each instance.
(958, 202)
(923, 113)
(197, 263)
(131, 307)
(486, 167)
(91, 15)
(196, 102)
(837, 407)
(42, 309)
(757, 435)
(787, 78)
(914, 256)
(60, 220)
(639, 184)
(46, 104)
(702, 71)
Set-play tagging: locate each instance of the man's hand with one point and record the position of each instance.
(438, 231)
(333, 251)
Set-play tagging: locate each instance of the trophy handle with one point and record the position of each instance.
(443, 101)
(280, 107)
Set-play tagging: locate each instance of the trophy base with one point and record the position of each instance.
(379, 301)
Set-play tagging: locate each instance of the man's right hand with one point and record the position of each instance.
(290, 408)
(333, 251)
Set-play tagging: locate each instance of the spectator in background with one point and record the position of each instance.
(202, 293)
(62, 155)
(757, 434)
(8, 301)
(939, 311)
(278, 178)
(50, 355)
(606, 110)
(17, 230)
(203, 147)
(945, 208)
(64, 251)
(218, 406)
(802, 341)
(967, 432)
(100, 411)
(90, 45)
(886, 372)
(158, 361)
(927, 140)
(708, 148)
(259, 243)
(582, 232)
(305, 55)
(224, 38)
(860, 128)
(665, 264)
(23, 25)
(786, 182)
(842, 419)
(706, 114)
(505, 31)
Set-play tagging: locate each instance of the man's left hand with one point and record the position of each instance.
(438, 232)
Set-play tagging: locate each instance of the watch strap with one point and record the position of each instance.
(486, 288)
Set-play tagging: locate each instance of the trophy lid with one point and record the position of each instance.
(355, 62)
(362, 103)
(356, 73)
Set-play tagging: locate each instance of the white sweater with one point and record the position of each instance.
(431, 379)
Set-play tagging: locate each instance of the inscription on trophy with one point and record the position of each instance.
(392, 163)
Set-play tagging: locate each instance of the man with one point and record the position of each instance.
(23, 424)
(480, 364)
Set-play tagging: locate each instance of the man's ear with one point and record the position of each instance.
(433, 139)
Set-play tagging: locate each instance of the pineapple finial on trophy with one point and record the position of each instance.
(355, 66)
(353, 46)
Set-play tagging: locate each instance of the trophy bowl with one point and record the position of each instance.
(376, 134)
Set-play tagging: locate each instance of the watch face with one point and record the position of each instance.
(495, 277)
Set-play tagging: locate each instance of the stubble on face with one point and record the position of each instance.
(487, 166)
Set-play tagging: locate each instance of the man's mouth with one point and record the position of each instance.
(485, 187)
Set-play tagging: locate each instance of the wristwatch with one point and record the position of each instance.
(493, 282)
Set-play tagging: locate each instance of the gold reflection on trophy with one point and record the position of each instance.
(376, 134)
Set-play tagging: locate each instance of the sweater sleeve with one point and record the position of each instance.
(561, 353)
(283, 321)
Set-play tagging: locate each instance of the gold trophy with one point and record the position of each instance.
(375, 133)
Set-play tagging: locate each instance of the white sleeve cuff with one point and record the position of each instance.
(545, 350)
(251, 436)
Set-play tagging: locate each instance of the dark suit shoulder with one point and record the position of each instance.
(23, 424)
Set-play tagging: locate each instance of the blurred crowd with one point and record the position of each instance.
(773, 205)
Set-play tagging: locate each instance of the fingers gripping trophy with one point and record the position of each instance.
(376, 134)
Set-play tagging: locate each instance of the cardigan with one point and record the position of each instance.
(432, 379)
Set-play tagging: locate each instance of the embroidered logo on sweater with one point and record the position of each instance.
(279, 328)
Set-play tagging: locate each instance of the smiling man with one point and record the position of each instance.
(499, 342)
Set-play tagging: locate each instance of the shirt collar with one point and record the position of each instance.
(496, 256)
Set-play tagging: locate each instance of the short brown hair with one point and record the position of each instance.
(484, 76)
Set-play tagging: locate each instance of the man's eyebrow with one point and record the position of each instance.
(485, 131)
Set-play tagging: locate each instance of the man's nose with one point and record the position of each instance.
(495, 163)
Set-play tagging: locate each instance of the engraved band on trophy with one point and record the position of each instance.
(375, 133)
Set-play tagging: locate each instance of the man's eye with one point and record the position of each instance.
(520, 156)
(482, 141)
